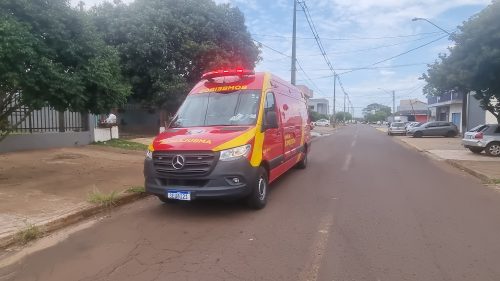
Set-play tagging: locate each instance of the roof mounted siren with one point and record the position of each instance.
(239, 71)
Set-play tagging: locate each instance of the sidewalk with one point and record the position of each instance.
(322, 131)
(451, 151)
(49, 188)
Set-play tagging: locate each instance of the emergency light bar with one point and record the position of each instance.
(227, 72)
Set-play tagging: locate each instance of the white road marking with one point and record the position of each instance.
(353, 143)
(347, 163)
(310, 273)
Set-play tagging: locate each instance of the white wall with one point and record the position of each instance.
(105, 134)
(490, 119)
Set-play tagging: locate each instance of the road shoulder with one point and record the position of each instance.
(450, 151)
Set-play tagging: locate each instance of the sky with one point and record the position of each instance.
(378, 35)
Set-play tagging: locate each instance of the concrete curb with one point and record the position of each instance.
(482, 177)
(73, 217)
(455, 164)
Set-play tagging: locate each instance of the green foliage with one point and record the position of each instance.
(136, 189)
(378, 116)
(341, 116)
(103, 199)
(124, 144)
(29, 233)
(165, 45)
(52, 55)
(376, 107)
(315, 116)
(376, 112)
(473, 63)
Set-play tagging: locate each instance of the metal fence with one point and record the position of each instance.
(46, 120)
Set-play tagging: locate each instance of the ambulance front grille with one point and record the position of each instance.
(195, 163)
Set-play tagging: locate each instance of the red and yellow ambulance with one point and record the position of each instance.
(236, 132)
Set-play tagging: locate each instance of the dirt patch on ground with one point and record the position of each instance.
(45, 181)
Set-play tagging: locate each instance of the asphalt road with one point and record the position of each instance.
(367, 208)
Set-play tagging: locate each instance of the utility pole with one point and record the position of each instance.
(334, 90)
(413, 110)
(393, 103)
(294, 38)
(343, 115)
(81, 5)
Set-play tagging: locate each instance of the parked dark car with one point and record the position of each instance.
(435, 128)
(483, 137)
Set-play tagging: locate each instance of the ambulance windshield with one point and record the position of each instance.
(218, 109)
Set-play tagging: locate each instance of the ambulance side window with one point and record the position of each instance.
(270, 117)
(270, 104)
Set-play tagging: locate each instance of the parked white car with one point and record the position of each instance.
(322, 122)
(396, 128)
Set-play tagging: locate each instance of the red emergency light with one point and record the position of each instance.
(239, 71)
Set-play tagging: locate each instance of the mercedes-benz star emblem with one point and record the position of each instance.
(178, 162)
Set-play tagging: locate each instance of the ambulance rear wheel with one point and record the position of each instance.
(258, 197)
(303, 163)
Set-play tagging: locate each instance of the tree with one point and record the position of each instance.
(166, 45)
(377, 116)
(376, 112)
(52, 55)
(315, 116)
(341, 116)
(376, 107)
(473, 64)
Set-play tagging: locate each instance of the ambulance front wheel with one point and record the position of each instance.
(303, 163)
(258, 196)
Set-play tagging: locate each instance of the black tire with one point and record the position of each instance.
(450, 134)
(476, 150)
(418, 134)
(258, 197)
(302, 164)
(166, 200)
(493, 149)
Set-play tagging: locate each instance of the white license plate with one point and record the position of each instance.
(179, 195)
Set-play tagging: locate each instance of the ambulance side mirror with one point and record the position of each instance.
(271, 120)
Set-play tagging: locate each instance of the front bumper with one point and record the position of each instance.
(473, 143)
(410, 133)
(217, 184)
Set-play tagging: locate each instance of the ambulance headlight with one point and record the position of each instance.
(235, 153)
(149, 152)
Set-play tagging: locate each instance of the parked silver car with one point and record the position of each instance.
(483, 137)
(435, 128)
(396, 128)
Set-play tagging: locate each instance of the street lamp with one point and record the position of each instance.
(442, 29)
(465, 108)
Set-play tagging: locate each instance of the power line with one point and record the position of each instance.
(314, 31)
(307, 76)
(350, 38)
(375, 67)
(272, 49)
(298, 63)
(374, 48)
(401, 54)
